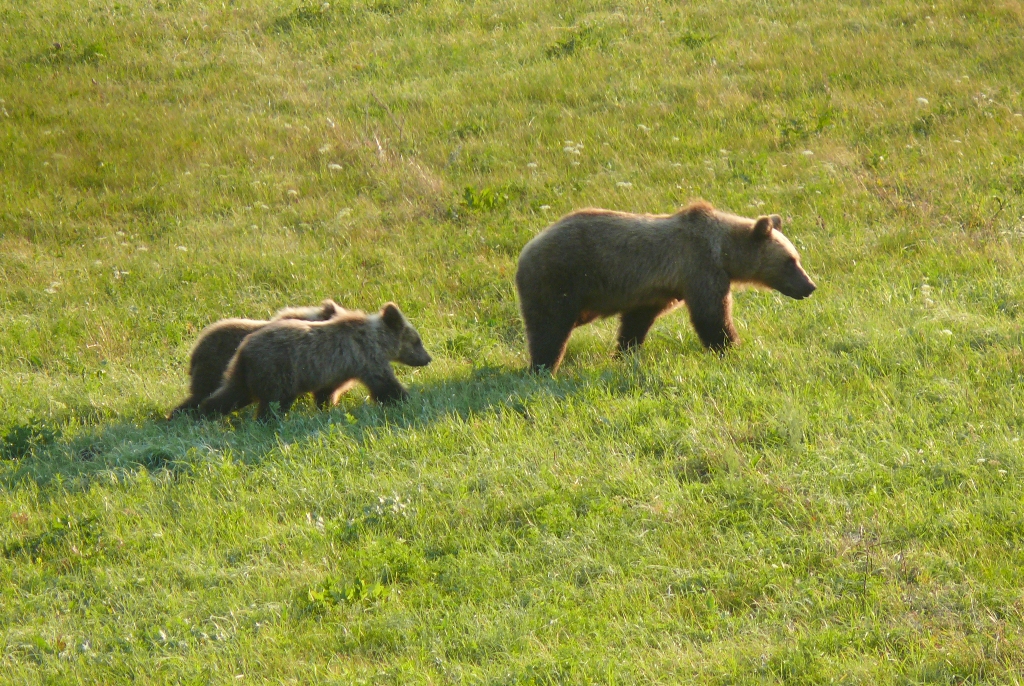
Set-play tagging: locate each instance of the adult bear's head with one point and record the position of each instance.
(762, 255)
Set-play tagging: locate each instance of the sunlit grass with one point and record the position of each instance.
(837, 500)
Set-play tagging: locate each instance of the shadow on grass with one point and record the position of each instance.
(45, 454)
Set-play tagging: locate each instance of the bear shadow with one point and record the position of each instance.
(42, 453)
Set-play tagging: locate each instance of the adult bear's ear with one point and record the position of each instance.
(762, 227)
(776, 221)
(392, 317)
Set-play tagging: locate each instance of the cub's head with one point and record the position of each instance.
(766, 257)
(328, 309)
(410, 345)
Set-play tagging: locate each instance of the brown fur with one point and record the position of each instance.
(599, 263)
(285, 359)
(218, 342)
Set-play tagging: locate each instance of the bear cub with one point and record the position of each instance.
(218, 342)
(599, 263)
(287, 358)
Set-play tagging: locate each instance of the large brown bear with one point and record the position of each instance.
(218, 342)
(598, 263)
(287, 358)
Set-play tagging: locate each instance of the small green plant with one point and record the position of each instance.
(333, 592)
(695, 39)
(20, 440)
(574, 41)
(314, 15)
(484, 199)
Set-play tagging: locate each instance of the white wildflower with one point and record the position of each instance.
(643, 127)
(922, 101)
(182, 248)
(325, 148)
(53, 287)
(946, 332)
(531, 165)
(334, 166)
(624, 184)
(808, 152)
(292, 192)
(545, 208)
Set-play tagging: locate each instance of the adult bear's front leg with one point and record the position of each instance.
(711, 315)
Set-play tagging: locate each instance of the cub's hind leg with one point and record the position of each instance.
(328, 397)
(324, 398)
(266, 408)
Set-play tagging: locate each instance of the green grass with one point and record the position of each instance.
(837, 500)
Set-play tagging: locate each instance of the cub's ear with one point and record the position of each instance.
(776, 221)
(392, 317)
(762, 227)
(329, 307)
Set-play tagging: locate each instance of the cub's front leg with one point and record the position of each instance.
(385, 387)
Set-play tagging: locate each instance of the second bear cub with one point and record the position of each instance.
(288, 358)
(218, 342)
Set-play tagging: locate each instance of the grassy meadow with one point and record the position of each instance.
(837, 500)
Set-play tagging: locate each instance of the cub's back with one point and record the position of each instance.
(218, 342)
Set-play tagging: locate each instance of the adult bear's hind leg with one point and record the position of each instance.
(547, 336)
(634, 326)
